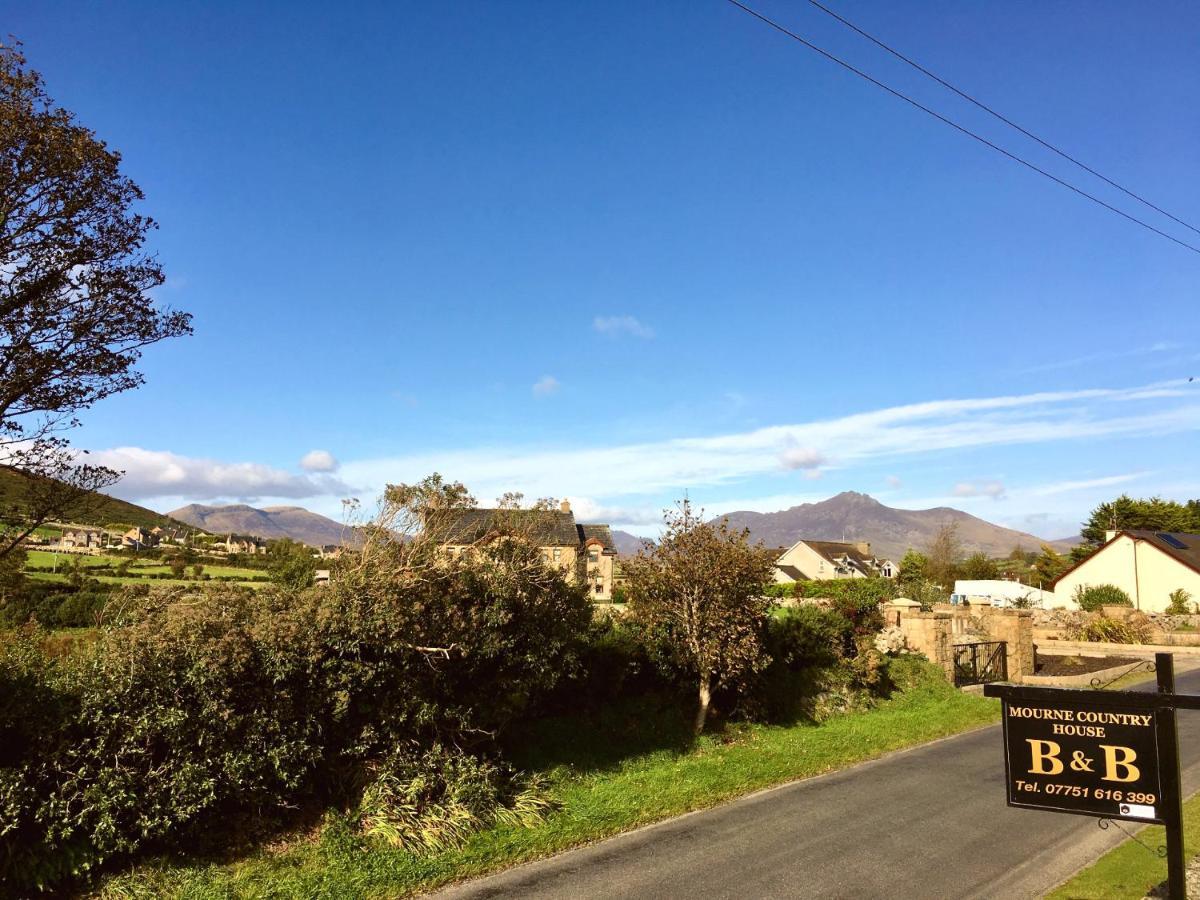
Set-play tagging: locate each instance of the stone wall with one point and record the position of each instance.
(935, 633)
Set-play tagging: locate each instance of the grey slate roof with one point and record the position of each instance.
(548, 528)
(602, 533)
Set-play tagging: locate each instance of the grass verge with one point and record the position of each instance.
(1130, 870)
(600, 790)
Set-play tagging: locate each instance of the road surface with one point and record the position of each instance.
(929, 822)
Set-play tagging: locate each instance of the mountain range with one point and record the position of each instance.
(848, 516)
(852, 516)
(268, 523)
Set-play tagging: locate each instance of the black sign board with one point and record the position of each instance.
(1071, 757)
(1112, 754)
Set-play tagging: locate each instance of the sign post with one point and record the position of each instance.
(1109, 754)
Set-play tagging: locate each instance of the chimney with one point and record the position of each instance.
(565, 506)
(864, 547)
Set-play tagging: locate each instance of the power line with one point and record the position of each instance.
(971, 134)
(1007, 121)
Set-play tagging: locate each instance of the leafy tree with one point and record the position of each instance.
(1049, 565)
(1153, 514)
(197, 570)
(914, 569)
(1180, 603)
(1094, 596)
(291, 564)
(979, 566)
(701, 588)
(12, 578)
(943, 553)
(75, 304)
(178, 568)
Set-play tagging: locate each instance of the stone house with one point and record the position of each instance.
(585, 552)
(139, 538)
(823, 560)
(1147, 565)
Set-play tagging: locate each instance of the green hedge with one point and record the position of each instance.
(207, 707)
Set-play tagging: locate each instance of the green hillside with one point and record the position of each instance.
(104, 510)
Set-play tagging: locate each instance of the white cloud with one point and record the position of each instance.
(895, 432)
(157, 473)
(545, 386)
(318, 461)
(801, 458)
(993, 489)
(893, 481)
(616, 325)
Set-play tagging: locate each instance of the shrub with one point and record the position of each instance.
(199, 706)
(1091, 597)
(1134, 629)
(780, 591)
(860, 590)
(427, 801)
(1180, 603)
(806, 636)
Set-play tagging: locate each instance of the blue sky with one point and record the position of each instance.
(618, 251)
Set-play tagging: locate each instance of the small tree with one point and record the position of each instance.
(701, 587)
(197, 571)
(979, 567)
(943, 553)
(1093, 596)
(1049, 565)
(178, 568)
(914, 569)
(1180, 603)
(291, 564)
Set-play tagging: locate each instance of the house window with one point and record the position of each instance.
(557, 554)
(599, 588)
(593, 556)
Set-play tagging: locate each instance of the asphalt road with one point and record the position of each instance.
(929, 822)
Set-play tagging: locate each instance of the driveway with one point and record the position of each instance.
(928, 822)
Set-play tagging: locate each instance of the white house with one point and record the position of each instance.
(998, 592)
(823, 560)
(1147, 565)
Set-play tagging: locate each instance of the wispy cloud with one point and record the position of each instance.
(1092, 358)
(993, 489)
(545, 386)
(920, 428)
(617, 325)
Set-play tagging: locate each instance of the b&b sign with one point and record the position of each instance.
(1072, 757)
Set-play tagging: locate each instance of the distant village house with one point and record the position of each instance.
(585, 552)
(825, 560)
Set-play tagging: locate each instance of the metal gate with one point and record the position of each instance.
(980, 663)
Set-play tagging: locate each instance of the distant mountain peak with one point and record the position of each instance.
(854, 516)
(273, 522)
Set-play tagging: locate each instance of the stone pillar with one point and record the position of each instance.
(1015, 628)
(929, 633)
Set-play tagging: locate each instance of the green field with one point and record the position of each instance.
(64, 561)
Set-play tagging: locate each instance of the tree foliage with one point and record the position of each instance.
(1152, 514)
(943, 553)
(75, 292)
(291, 564)
(701, 588)
(1093, 596)
(978, 567)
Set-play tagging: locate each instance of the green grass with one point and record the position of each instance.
(607, 775)
(1130, 870)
